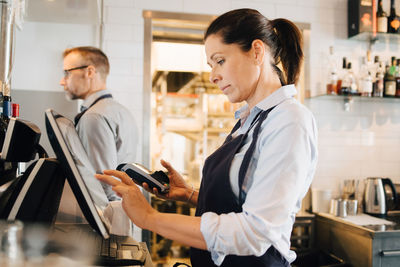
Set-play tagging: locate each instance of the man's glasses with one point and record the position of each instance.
(66, 72)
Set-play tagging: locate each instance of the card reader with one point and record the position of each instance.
(141, 174)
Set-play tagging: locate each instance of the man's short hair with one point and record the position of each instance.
(91, 56)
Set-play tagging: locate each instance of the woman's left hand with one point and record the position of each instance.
(133, 202)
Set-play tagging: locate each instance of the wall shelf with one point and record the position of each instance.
(349, 100)
(357, 98)
(372, 38)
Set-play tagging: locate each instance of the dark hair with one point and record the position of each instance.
(243, 26)
(91, 56)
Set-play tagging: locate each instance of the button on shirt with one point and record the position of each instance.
(278, 177)
(109, 135)
(83, 108)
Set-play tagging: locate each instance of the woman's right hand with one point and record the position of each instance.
(178, 189)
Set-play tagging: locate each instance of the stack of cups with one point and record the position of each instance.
(343, 207)
(320, 200)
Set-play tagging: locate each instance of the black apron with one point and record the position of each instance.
(216, 195)
(79, 116)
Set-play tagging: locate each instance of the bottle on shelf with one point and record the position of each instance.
(393, 19)
(340, 86)
(372, 66)
(390, 82)
(378, 85)
(365, 79)
(392, 68)
(397, 78)
(376, 65)
(352, 80)
(331, 86)
(382, 19)
(349, 84)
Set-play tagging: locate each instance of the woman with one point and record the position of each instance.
(252, 186)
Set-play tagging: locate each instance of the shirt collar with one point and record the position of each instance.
(89, 101)
(277, 97)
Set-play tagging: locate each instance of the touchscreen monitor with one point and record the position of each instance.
(70, 152)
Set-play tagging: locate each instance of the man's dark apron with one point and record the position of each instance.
(79, 115)
(216, 195)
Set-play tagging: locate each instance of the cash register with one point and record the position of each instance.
(35, 195)
(112, 250)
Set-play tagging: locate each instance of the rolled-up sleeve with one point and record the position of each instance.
(221, 233)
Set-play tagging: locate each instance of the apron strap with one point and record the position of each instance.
(237, 126)
(78, 117)
(229, 137)
(249, 153)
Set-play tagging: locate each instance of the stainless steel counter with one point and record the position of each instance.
(362, 246)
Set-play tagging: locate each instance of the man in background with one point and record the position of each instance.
(106, 128)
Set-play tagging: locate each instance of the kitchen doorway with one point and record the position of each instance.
(173, 33)
(173, 73)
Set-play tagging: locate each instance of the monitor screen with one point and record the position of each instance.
(21, 141)
(70, 152)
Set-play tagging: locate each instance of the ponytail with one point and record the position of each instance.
(243, 26)
(289, 49)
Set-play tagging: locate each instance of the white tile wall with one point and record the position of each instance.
(119, 3)
(359, 143)
(123, 49)
(119, 32)
(265, 7)
(123, 66)
(190, 6)
(161, 5)
(356, 144)
(122, 15)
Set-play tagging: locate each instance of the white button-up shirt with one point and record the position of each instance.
(279, 175)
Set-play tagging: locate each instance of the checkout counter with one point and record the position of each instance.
(34, 244)
(95, 232)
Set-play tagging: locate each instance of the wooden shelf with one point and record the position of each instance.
(192, 135)
(198, 135)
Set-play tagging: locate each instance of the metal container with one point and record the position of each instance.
(352, 207)
(334, 208)
(338, 207)
(342, 208)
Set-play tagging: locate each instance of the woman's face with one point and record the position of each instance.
(234, 71)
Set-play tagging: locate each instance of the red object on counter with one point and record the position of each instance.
(15, 110)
